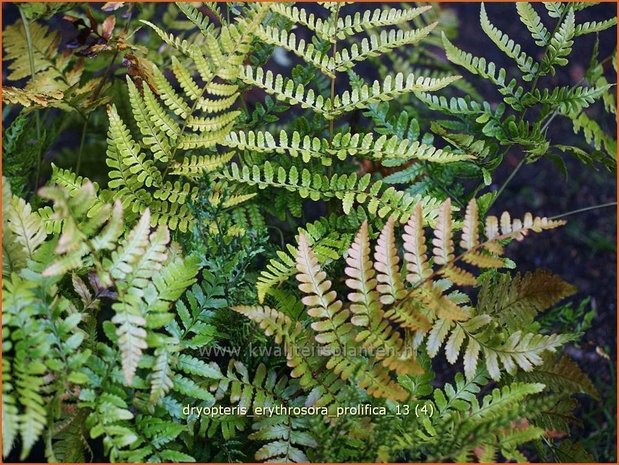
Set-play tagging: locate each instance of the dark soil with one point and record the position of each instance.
(583, 252)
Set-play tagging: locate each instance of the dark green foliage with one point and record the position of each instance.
(241, 193)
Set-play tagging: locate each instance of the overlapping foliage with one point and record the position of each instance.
(247, 158)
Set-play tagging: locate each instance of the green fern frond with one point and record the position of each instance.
(533, 22)
(195, 166)
(25, 230)
(376, 45)
(595, 135)
(300, 16)
(594, 26)
(348, 189)
(560, 45)
(285, 89)
(476, 65)
(526, 64)
(378, 18)
(568, 100)
(390, 88)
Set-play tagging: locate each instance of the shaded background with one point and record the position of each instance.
(584, 252)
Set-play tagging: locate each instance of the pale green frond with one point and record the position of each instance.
(133, 165)
(560, 45)
(478, 65)
(390, 88)
(386, 148)
(26, 226)
(152, 135)
(372, 19)
(568, 100)
(594, 26)
(377, 45)
(284, 89)
(300, 16)
(513, 50)
(533, 22)
(180, 44)
(301, 48)
(196, 166)
(293, 144)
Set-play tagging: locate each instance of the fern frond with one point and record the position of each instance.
(387, 262)
(361, 280)
(561, 374)
(520, 350)
(131, 251)
(181, 45)
(390, 88)
(504, 398)
(347, 188)
(26, 227)
(300, 16)
(416, 249)
(478, 65)
(329, 238)
(161, 381)
(461, 106)
(376, 45)
(378, 18)
(515, 302)
(533, 22)
(568, 100)
(443, 243)
(201, 21)
(302, 49)
(10, 413)
(285, 89)
(138, 259)
(343, 145)
(146, 115)
(331, 326)
(293, 144)
(135, 165)
(560, 45)
(44, 45)
(594, 26)
(195, 166)
(526, 64)
(595, 135)
(389, 148)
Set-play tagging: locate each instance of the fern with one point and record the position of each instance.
(23, 232)
(335, 325)
(517, 301)
(526, 64)
(136, 304)
(560, 43)
(524, 91)
(173, 123)
(284, 435)
(348, 189)
(534, 24)
(54, 81)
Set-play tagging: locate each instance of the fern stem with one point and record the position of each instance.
(582, 210)
(82, 143)
(509, 178)
(32, 73)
